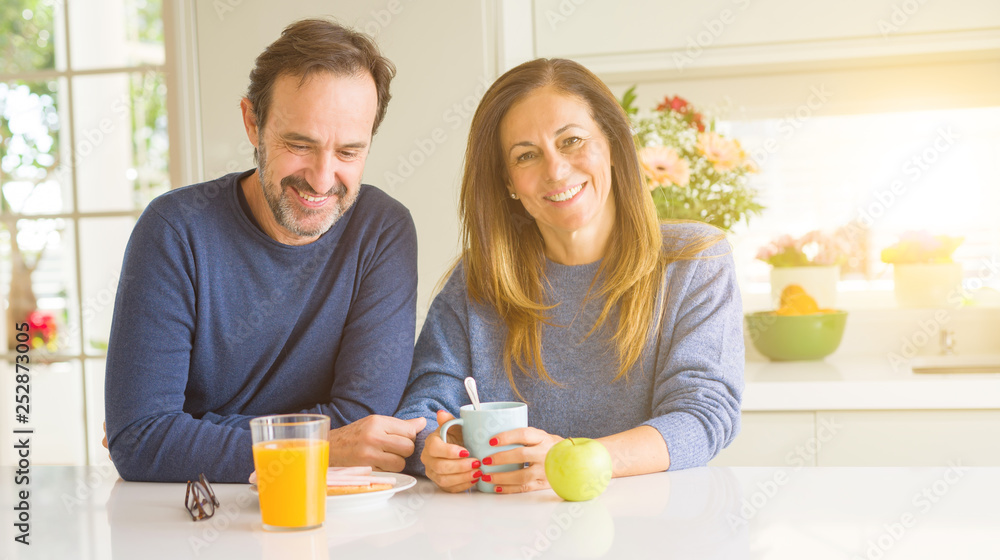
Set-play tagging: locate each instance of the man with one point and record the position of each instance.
(288, 288)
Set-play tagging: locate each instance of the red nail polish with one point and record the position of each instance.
(477, 474)
(475, 464)
(499, 489)
(487, 477)
(488, 461)
(494, 441)
(463, 453)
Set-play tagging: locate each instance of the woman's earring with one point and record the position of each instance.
(513, 195)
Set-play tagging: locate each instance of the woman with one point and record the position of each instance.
(570, 296)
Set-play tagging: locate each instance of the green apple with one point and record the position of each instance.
(578, 469)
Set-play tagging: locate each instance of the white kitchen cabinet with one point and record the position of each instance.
(911, 438)
(642, 35)
(772, 439)
(866, 438)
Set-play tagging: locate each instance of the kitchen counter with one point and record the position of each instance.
(869, 383)
(709, 512)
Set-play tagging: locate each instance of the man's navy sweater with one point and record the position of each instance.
(216, 323)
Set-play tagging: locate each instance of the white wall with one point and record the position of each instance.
(444, 56)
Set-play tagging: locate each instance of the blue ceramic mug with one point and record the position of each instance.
(480, 426)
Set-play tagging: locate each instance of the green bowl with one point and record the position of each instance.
(796, 337)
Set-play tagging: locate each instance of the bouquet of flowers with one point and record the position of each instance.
(920, 247)
(812, 249)
(693, 172)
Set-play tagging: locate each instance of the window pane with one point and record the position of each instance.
(149, 174)
(115, 33)
(888, 173)
(34, 175)
(102, 247)
(40, 264)
(27, 35)
(121, 140)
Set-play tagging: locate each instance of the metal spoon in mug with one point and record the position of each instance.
(470, 387)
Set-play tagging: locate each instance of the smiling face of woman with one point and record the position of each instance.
(559, 164)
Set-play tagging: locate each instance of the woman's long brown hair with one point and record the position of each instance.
(503, 250)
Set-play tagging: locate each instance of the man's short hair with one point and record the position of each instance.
(317, 45)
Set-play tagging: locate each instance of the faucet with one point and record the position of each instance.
(947, 342)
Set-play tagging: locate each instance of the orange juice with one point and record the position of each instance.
(291, 481)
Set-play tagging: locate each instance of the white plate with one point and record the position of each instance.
(370, 500)
(365, 500)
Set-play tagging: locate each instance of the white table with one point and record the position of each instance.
(712, 512)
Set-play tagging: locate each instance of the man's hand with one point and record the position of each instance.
(381, 442)
(104, 441)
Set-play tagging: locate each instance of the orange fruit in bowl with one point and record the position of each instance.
(795, 301)
(796, 337)
(790, 291)
(798, 330)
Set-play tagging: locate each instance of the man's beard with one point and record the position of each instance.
(289, 214)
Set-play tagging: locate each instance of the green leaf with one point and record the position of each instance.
(628, 102)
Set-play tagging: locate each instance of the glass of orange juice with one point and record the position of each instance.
(291, 454)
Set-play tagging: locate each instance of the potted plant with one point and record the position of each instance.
(924, 272)
(693, 172)
(811, 261)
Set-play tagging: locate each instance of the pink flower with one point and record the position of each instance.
(724, 154)
(766, 252)
(681, 106)
(813, 248)
(664, 166)
(42, 324)
(675, 103)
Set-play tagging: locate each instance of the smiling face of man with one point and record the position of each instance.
(312, 152)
